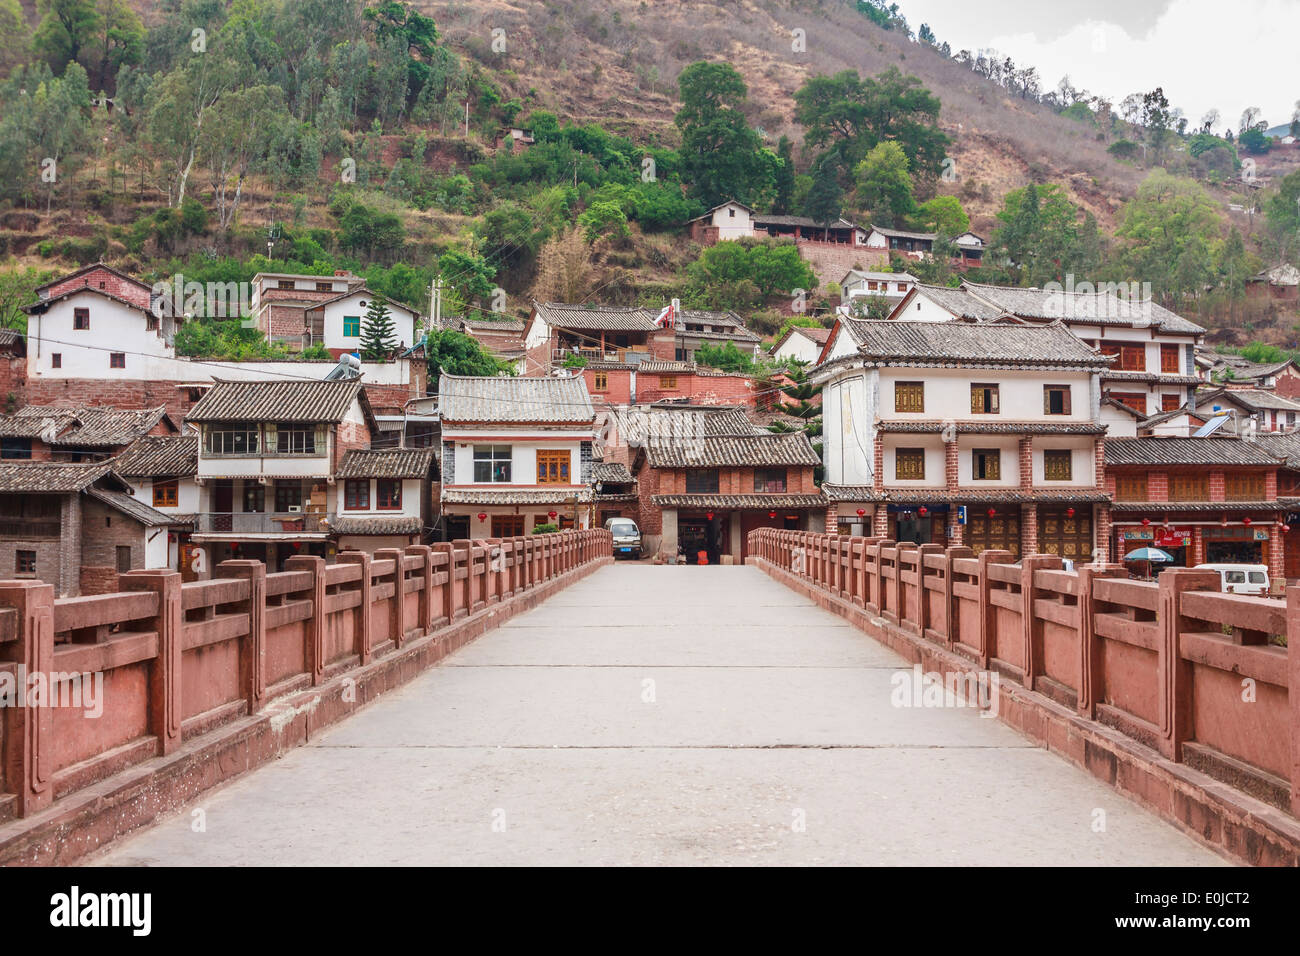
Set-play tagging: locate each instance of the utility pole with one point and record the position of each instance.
(467, 119)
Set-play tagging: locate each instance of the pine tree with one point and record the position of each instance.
(378, 334)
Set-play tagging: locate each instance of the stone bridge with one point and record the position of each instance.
(631, 714)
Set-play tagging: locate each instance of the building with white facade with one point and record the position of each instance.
(337, 323)
(986, 435)
(516, 453)
(383, 497)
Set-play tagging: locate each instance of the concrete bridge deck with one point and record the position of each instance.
(665, 715)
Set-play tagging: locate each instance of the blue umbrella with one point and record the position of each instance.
(1148, 554)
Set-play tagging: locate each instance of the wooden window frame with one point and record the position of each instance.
(388, 494)
(764, 485)
(910, 455)
(1066, 393)
(1170, 403)
(25, 563)
(81, 320)
(702, 481)
(356, 494)
(117, 360)
(984, 394)
(166, 494)
(1189, 486)
(1127, 398)
(600, 382)
(1244, 486)
(993, 455)
(353, 322)
(1131, 488)
(254, 498)
(56, 360)
(1168, 366)
(499, 526)
(284, 285)
(909, 397)
(667, 381)
(549, 457)
(1059, 456)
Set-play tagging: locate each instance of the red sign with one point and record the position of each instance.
(1173, 538)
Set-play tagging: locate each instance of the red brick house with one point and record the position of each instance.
(554, 331)
(1200, 499)
(78, 433)
(615, 383)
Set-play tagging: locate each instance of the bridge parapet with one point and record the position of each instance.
(92, 686)
(1199, 677)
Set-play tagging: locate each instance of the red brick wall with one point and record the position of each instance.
(13, 380)
(113, 284)
(389, 399)
(1027, 474)
(1288, 383)
(1158, 486)
(123, 393)
(700, 389)
(1217, 492)
(663, 344)
(286, 320)
(830, 261)
(619, 382)
(98, 580)
(648, 485)
(349, 435)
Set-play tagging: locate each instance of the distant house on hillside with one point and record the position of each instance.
(1279, 284)
(728, 220)
(918, 245)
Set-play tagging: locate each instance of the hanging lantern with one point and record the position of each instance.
(709, 515)
(1246, 522)
(482, 516)
(1286, 529)
(861, 512)
(1069, 512)
(771, 514)
(551, 514)
(1146, 522)
(923, 511)
(991, 512)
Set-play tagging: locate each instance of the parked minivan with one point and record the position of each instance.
(1240, 578)
(627, 537)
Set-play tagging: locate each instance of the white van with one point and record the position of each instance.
(627, 537)
(1240, 578)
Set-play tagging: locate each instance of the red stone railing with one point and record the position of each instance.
(1195, 674)
(180, 660)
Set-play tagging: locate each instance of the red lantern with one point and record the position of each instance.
(1246, 522)
(771, 514)
(482, 516)
(1069, 512)
(992, 511)
(861, 512)
(709, 515)
(1146, 522)
(923, 511)
(1286, 529)
(551, 514)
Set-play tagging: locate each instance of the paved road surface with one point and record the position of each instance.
(665, 715)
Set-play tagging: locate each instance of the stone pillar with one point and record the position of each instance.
(165, 670)
(252, 652)
(1028, 529)
(1175, 720)
(27, 769)
(69, 580)
(668, 543)
(737, 539)
(315, 625)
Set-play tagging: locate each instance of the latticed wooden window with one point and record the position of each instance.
(986, 464)
(909, 396)
(1189, 488)
(1170, 402)
(1058, 464)
(1243, 487)
(1169, 359)
(1056, 400)
(601, 384)
(983, 399)
(909, 464)
(1130, 487)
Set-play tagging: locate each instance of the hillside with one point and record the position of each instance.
(615, 63)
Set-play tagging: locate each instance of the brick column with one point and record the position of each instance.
(878, 470)
(880, 521)
(956, 531)
(951, 464)
(832, 519)
(1028, 529)
(69, 583)
(1276, 554)
(1100, 466)
(1027, 462)
(1101, 529)
(1198, 546)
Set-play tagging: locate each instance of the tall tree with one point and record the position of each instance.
(378, 332)
(783, 203)
(721, 154)
(179, 105)
(66, 27)
(884, 184)
(1169, 227)
(825, 198)
(1039, 234)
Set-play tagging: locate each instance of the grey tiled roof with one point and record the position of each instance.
(387, 463)
(474, 323)
(172, 456)
(53, 477)
(379, 524)
(133, 508)
(1254, 397)
(1211, 506)
(962, 495)
(513, 496)
(97, 426)
(997, 346)
(959, 302)
(993, 428)
(614, 473)
(502, 398)
(639, 424)
(288, 400)
(1158, 450)
(1105, 308)
(775, 502)
(596, 317)
(788, 448)
(1286, 446)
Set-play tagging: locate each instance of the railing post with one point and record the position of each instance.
(28, 748)
(397, 611)
(465, 593)
(425, 613)
(1175, 673)
(165, 671)
(365, 638)
(252, 657)
(925, 618)
(1031, 626)
(988, 616)
(1090, 665)
(315, 566)
(1293, 688)
(447, 599)
(952, 603)
(900, 591)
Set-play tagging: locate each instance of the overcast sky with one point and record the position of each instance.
(1206, 54)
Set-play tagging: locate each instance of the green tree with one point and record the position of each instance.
(884, 184)
(118, 40)
(1039, 234)
(467, 277)
(13, 36)
(457, 354)
(378, 332)
(66, 27)
(943, 214)
(825, 199)
(726, 357)
(783, 201)
(850, 116)
(722, 156)
(1170, 228)
(603, 219)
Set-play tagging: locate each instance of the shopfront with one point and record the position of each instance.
(1235, 544)
(919, 524)
(1066, 531)
(993, 527)
(1175, 540)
